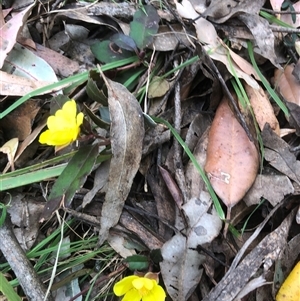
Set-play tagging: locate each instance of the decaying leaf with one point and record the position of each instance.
(127, 133)
(158, 87)
(10, 30)
(265, 253)
(294, 118)
(13, 85)
(206, 34)
(19, 122)
(180, 266)
(232, 159)
(262, 34)
(278, 153)
(220, 11)
(10, 148)
(262, 108)
(281, 186)
(167, 40)
(286, 84)
(100, 180)
(25, 211)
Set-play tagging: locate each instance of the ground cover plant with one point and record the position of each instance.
(149, 150)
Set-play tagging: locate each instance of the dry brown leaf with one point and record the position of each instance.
(167, 39)
(232, 159)
(287, 84)
(127, 134)
(9, 32)
(61, 64)
(263, 36)
(221, 11)
(262, 108)
(19, 122)
(13, 85)
(281, 186)
(278, 154)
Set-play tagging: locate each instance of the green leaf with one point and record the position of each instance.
(137, 262)
(144, 26)
(93, 91)
(96, 119)
(75, 173)
(108, 52)
(3, 212)
(7, 289)
(30, 177)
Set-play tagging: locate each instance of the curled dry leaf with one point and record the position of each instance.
(10, 148)
(262, 108)
(287, 84)
(206, 32)
(232, 159)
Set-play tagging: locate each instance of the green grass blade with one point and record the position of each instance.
(266, 84)
(7, 289)
(3, 212)
(31, 177)
(273, 19)
(75, 79)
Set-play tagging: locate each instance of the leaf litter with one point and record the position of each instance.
(120, 178)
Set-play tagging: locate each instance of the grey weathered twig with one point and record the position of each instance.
(16, 258)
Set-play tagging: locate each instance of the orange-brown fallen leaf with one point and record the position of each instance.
(287, 84)
(262, 108)
(232, 159)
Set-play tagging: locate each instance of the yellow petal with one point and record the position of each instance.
(123, 286)
(132, 295)
(44, 137)
(69, 109)
(55, 138)
(143, 283)
(156, 294)
(79, 119)
(57, 123)
(290, 289)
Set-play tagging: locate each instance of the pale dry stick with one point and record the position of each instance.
(16, 258)
(148, 81)
(179, 174)
(57, 254)
(284, 29)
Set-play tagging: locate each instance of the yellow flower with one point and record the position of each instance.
(64, 127)
(137, 288)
